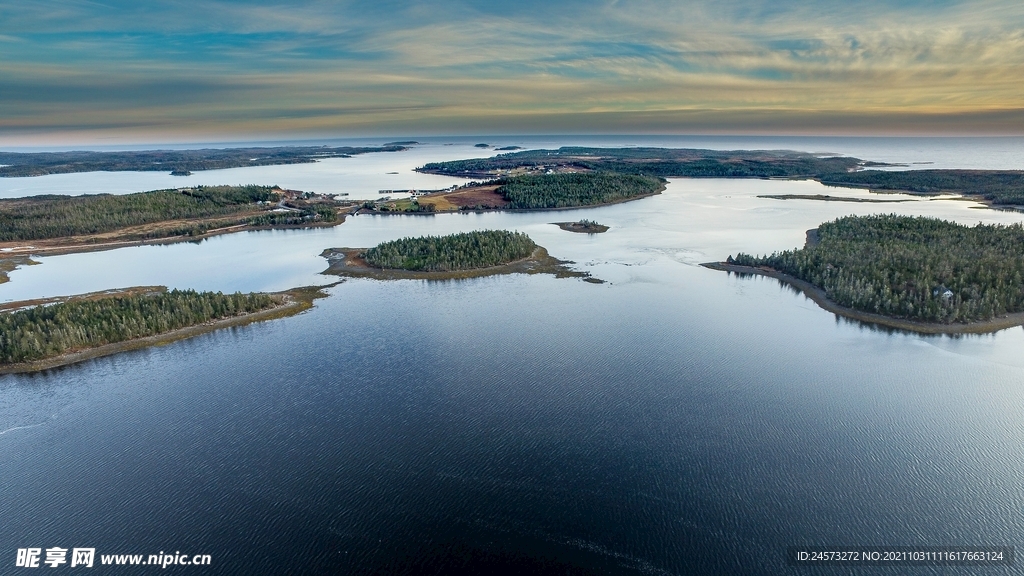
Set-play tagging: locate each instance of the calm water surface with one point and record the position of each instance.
(675, 420)
(365, 175)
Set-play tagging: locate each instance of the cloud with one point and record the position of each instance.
(354, 65)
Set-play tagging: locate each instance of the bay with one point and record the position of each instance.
(674, 420)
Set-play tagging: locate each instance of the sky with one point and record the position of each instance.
(120, 70)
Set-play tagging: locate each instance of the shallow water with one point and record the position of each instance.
(674, 420)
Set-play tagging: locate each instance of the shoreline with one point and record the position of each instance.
(346, 262)
(58, 247)
(292, 302)
(819, 297)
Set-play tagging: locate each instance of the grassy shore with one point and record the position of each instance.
(11, 263)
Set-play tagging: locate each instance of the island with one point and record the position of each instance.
(829, 198)
(995, 188)
(913, 273)
(582, 227)
(48, 225)
(176, 162)
(464, 255)
(50, 332)
(529, 192)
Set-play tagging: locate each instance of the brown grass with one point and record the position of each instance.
(465, 198)
(483, 195)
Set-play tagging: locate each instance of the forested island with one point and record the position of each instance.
(51, 332)
(531, 192)
(917, 273)
(55, 224)
(183, 162)
(464, 251)
(462, 255)
(582, 227)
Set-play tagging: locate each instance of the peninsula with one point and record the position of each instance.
(48, 225)
(531, 192)
(463, 255)
(47, 333)
(912, 273)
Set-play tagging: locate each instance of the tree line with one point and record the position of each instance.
(42, 217)
(911, 267)
(574, 189)
(307, 214)
(50, 330)
(998, 186)
(464, 251)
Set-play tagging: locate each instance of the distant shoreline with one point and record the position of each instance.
(174, 162)
(821, 299)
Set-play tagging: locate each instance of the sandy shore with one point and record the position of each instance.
(290, 302)
(818, 296)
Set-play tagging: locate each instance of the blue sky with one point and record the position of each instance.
(83, 70)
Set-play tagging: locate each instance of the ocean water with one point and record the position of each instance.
(675, 420)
